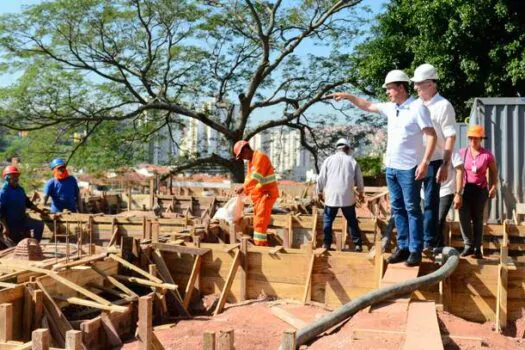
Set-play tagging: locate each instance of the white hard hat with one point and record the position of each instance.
(395, 76)
(425, 72)
(342, 142)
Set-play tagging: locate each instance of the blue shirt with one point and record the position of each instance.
(13, 203)
(63, 193)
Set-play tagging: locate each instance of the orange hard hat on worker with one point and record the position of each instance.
(237, 148)
(10, 170)
(476, 131)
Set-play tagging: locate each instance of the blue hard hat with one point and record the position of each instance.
(57, 162)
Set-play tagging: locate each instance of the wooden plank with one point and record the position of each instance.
(287, 317)
(40, 339)
(288, 340)
(394, 274)
(28, 315)
(422, 323)
(145, 331)
(59, 322)
(38, 308)
(501, 303)
(308, 282)
(110, 330)
(180, 249)
(195, 272)
(166, 276)
(228, 283)
(6, 322)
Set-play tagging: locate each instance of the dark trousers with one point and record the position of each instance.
(445, 203)
(471, 215)
(431, 204)
(328, 219)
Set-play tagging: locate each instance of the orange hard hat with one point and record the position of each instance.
(476, 131)
(9, 170)
(237, 148)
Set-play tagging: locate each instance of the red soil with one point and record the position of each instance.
(257, 328)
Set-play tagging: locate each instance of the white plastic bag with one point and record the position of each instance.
(232, 211)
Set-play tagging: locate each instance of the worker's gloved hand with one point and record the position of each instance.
(361, 198)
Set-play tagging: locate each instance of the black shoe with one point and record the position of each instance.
(467, 251)
(414, 259)
(398, 256)
(358, 248)
(478, 254)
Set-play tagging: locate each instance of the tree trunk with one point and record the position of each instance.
(237, 171)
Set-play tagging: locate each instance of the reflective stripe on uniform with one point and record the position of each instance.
(258, 236)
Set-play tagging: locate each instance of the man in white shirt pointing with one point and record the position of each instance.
(407, 160)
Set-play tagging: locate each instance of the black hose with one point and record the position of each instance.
(313, 329)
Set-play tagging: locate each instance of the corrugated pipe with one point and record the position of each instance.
(313, 329)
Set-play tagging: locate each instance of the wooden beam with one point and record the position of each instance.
(195, 272)
(145, 282)
(135, 268)
(180, 249)
(82, 261)
(145, 331)
(38, 308)
(92, 304)
(314, 226)
(422, 323)
(61, 280)
(228, 283)
(115, 282)
(6, 322)
(287, 317)
(288, 340)
(111, 291)
(40, 339)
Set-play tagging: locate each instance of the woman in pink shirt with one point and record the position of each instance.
(478, 161)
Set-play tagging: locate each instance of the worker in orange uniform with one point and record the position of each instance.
(261, 185)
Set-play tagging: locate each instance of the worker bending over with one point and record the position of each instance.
(62, 188)
(261, 185)
(13, 204)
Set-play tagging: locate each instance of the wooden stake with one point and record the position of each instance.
(209, 340)
(243, 273)
(6, 322)
(225, 341)
(73, 340)
(145, 336)
(501, 306)
(288, 341)
(28, 315)
(195, 273)
(40, 339)
(228, 283)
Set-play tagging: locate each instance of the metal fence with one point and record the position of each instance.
(504, 122)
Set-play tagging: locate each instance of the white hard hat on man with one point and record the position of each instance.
(424, 72)
(396, 76)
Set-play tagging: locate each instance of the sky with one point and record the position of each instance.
(376, 6)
